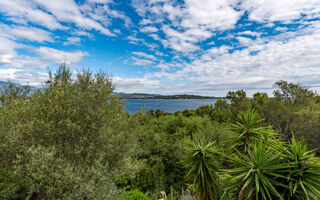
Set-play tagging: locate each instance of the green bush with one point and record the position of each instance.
(11, 187)
(134, 195)
(71, 139)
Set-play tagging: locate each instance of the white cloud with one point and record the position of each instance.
(294, 60)
(193, 35)
(58, 56)
(7, 52)
(251, 57)
(250, 33)
(145, 21)
(99, 1)
(158, 53)
(192, 22)
(184, 41)
(21, 9)
(139, 41)
(24, 69)
(141, 61)
(69, 11)
(104, 14)
(131, 85)
(212, 14)
(72, 41)
(163, 66)
(28, 33)
(142, 54)
(91, 15)
(134, 40)
(284, 10)
(254, 58)
(83, 33)
(245, 41)
(23, 77)
(149, 29)
(10, 58)
(155, 37)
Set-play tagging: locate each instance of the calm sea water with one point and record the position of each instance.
(167, 105)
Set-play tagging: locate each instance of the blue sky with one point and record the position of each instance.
(205, 47)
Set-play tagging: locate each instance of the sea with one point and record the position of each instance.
(167, 105)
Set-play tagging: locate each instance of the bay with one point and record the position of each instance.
(167, 105)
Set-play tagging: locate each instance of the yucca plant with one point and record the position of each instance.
(201, 161)
(258, 173)
(250, 130)
(304, 177)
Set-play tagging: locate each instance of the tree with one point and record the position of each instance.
(269, 168)
(70, 139)
(258, 173)
(202, 163)
(221, 111)
(292, 93)
(239, 102)
(205, 110)
(259, 100)
(304, 177)
(293, 109)
(250, 131)
(289, 98)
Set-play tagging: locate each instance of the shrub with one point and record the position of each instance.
(134, 195)
(11, 187)
(72, 139)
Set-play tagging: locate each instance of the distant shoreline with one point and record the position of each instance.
(153, 96)
(175, 98)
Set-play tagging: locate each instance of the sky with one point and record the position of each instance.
(204, 47)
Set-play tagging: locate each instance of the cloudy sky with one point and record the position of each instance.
(203, 47)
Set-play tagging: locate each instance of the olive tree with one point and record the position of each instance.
(71, 139)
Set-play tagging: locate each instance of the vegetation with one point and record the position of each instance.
(202, 164)
(133, 195)
(69, 140)
(258, 172)
(72, 139)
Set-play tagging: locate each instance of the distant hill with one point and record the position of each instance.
(6, 83)
(182, 96)
(135, 95)
(158, 96)
(32, 88)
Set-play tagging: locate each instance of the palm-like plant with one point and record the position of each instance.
(258, 172)
(250, 130)
(304, 177)
(202, 165)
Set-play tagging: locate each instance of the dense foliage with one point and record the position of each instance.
(133, 195)
(202, 163)
(72, 139)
